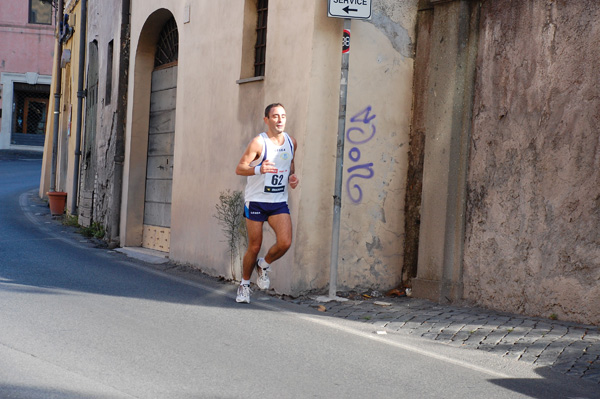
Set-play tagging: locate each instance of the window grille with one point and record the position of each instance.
(261, 38)
(30, 111)
(167, 48)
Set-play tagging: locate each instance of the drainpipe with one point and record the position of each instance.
(115, 217)
(57, 90)
(80, 95)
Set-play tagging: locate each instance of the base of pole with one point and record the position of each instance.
(325, 299)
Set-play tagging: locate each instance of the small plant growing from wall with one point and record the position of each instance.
(95, 230)
(230, 214)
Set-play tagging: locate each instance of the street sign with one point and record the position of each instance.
(352, 9)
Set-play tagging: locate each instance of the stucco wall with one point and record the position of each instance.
(68, 115)
(447, 49)
(376, 148)
(217, 117)
(104, 23)
(24, 48)
(533, 220)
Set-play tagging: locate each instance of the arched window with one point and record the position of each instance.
(167, 48)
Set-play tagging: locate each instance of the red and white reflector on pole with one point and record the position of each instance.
(346, 41)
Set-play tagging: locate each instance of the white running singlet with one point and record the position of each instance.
(271, 187)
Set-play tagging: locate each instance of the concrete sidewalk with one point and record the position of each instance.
(567, 348)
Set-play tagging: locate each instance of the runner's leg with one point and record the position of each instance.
(282, 226)
(255, 235)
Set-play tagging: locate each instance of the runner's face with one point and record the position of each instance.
(276, 120)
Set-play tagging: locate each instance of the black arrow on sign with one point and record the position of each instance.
(347, 9)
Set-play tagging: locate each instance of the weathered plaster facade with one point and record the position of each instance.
(444, 116)
(533, 222)
(26, 54)
(508, 107)
(67, 113)
(216, 117)
(103, 131)
(477, 179)
(372, 228)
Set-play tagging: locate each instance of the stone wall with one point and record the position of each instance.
(533, 208)
(105, 27)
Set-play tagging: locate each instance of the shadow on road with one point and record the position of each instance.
(550, 385)
(43, 256)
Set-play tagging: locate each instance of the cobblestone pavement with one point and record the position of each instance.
(568, 348)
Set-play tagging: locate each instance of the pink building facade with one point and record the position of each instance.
(26, 55)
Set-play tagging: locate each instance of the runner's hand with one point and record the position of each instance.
(293, 179)
(267, 167)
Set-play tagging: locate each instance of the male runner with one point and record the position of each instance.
(269, 164)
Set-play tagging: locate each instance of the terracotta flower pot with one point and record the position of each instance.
(58, 200)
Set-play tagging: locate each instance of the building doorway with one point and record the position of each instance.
(88, 164)
(30, 109)
(161, 137)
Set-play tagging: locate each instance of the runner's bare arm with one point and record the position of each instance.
(251, 154)
(293, 179)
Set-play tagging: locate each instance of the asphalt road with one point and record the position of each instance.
(83, 322)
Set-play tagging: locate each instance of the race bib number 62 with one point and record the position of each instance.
(275, 182)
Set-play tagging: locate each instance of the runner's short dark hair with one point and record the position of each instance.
(268, 109)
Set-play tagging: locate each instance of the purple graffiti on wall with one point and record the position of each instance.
(357, 136)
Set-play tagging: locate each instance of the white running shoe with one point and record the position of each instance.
(262, 280)
(243, 294)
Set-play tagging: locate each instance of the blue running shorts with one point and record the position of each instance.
(260, 211)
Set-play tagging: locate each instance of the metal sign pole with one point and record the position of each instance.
(339, 169)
